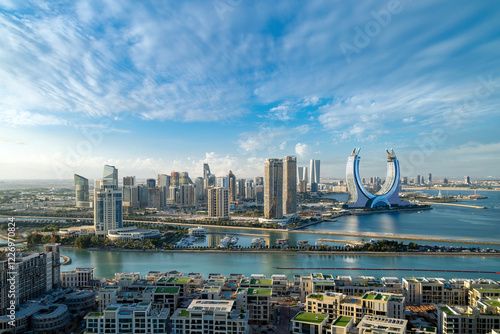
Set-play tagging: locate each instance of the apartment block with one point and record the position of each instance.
(258, 303)
(210, 317)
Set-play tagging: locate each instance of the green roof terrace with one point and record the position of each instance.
(167, 289)
(179, 280)
(316, 296)
(342, 321)
(494, 303)
(94, 315)
(256, 281)
(310, 317)
(260, 292)
(369, 296)
(183, 313)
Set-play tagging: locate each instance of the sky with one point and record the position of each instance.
(157, 86)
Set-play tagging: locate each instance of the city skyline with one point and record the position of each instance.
(248, 81)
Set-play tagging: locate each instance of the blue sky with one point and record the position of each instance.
(156, 86)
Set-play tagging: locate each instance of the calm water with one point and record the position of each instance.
(109, 263)
(442, 221)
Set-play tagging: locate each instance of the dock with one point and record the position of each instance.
(454, 204)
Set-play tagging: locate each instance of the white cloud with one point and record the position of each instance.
(302, 150)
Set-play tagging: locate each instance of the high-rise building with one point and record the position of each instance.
(302, 186)
(404, 180)
(218, 203)
(110, 175)
(129, 181)
(273, 189)
(249, 189)
(445, 180)
(240, 188)
(221, 181)
(184, 178)
(418, 180)
(289, 185)
(467, 180)
(154, 197)
(31, 275)
(302, 174)
(107, 202)
(315, 174)
(231, 181)
(206, 171)
(429, 179)
(199, 184)
(150, 183)
(174, 179)
(82, 192)
(259, 181)
(186, 195)
(163, 184)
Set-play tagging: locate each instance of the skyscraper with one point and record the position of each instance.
(82, 192)
(315, 174)
(231, 180)
(151, 183)
(186, 195)
(249, 189)
(273, 189)
(174, 179)
(429, 179)
(206, 171)
(163, 184)
(289, 185)
(302, 174)
(218, 203)
(467, 179)
(107, 202)
(128, 181)
(110, 175)
(199, 184)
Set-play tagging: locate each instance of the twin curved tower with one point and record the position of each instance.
(388, 195)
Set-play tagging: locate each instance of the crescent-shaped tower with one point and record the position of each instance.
(388, 195)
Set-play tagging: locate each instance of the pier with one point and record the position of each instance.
(454, 204)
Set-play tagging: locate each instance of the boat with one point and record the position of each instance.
(282, 242)
(302, 242)
(258, 242)
(198, 232)
(228, 241)
(319, 243)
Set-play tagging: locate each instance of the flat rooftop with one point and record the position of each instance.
(310, 317)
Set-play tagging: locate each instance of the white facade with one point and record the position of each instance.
(218, 202)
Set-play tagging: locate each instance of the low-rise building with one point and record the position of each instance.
(163, 297)
(128, 318)
(78, 277)
(379, 325)
(342, 325)
(210, 317)
(257, 302)
(309, 323)
(468, 319)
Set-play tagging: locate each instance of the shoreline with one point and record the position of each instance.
(288, 252)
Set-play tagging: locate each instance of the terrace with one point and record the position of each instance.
(342, 321)
(310, 317)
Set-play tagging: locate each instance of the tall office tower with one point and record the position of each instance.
(174, 179)
(110, 175)
(82, 192)
(143, 193)
(210, 181)
(129, 181)
(249, 189)
(206, 171)
(429, 179)
(150, 183)
(199, 183)
(417, 180)
(107, 202)
(302, 186)
(184, 178)
(173, 195)
(467, 180)
(231, 180)
(404, 180)
(186, 195)
(289, 185)
(240, 188)
(315, 175)
(302, 174)
(445, 181)
(163, 184)
(259, 193)
(221, 182)
(273, 189)
(259, 181)
(218, 202)
(154, 197)
(31, 275)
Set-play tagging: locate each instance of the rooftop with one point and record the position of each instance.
(310, 317)
(179, 280)
(342, 321)
(167, 289)
(255, 281)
